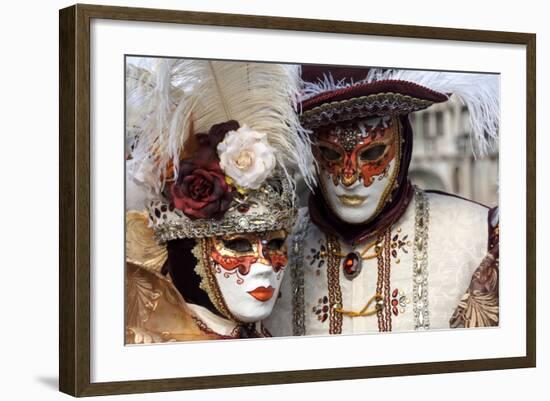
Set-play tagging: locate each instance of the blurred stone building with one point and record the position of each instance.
(442, 157)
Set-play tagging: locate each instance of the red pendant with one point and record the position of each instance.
(352, 265)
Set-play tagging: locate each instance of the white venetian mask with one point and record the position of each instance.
(359, 166)
(248, 270)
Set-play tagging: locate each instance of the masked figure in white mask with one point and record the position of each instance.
(212, 149)
(372, 252)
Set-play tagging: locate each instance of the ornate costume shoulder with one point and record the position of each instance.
(459, 218)
(155, 311)
(459, 232)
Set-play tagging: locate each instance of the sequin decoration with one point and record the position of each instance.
(399, 243)
(420, 261)
(399, 301)
(321, 310)
(317, 257)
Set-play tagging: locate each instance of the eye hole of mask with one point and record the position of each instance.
(329, 154)
(373, 153)
(275, 244)
(238, 245)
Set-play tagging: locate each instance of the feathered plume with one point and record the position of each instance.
(173, 99)
(480, 93)
(150, 101)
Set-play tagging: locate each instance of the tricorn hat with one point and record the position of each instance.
(334, 95)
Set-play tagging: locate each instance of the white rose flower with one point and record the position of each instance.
(246, 157)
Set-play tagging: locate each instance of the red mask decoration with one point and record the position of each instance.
(241, 251)
(360, 150)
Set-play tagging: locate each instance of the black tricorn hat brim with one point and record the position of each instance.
(363, 100)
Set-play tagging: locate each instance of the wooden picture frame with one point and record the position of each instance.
(75, 206)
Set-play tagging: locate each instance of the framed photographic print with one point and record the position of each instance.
(251, 200)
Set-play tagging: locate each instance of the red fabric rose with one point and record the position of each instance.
(201, 191)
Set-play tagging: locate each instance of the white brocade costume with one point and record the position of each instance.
(422, 271)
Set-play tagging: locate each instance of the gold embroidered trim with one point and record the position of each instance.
(363, 106)
(334, 290)
(386, 272)
(380, 283)
(204, 269)
(393, 179)
(296, 263)
(235, 333)
(381, 300)
(200, 268)
(383, 281)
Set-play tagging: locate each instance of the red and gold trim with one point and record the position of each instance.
(383, 282)
(205, 269)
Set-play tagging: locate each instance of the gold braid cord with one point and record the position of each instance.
(375, 299)
(386, 272)
(378, 304)
(393, 183)
(334, 290)
(383, 307)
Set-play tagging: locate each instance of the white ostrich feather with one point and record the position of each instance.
(480, 93)
(311, 89)
(173, 99)
(150, 100)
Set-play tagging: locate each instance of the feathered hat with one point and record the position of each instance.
(212, 146)
(335, 95)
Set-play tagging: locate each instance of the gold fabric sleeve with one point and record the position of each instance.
(155, 311)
